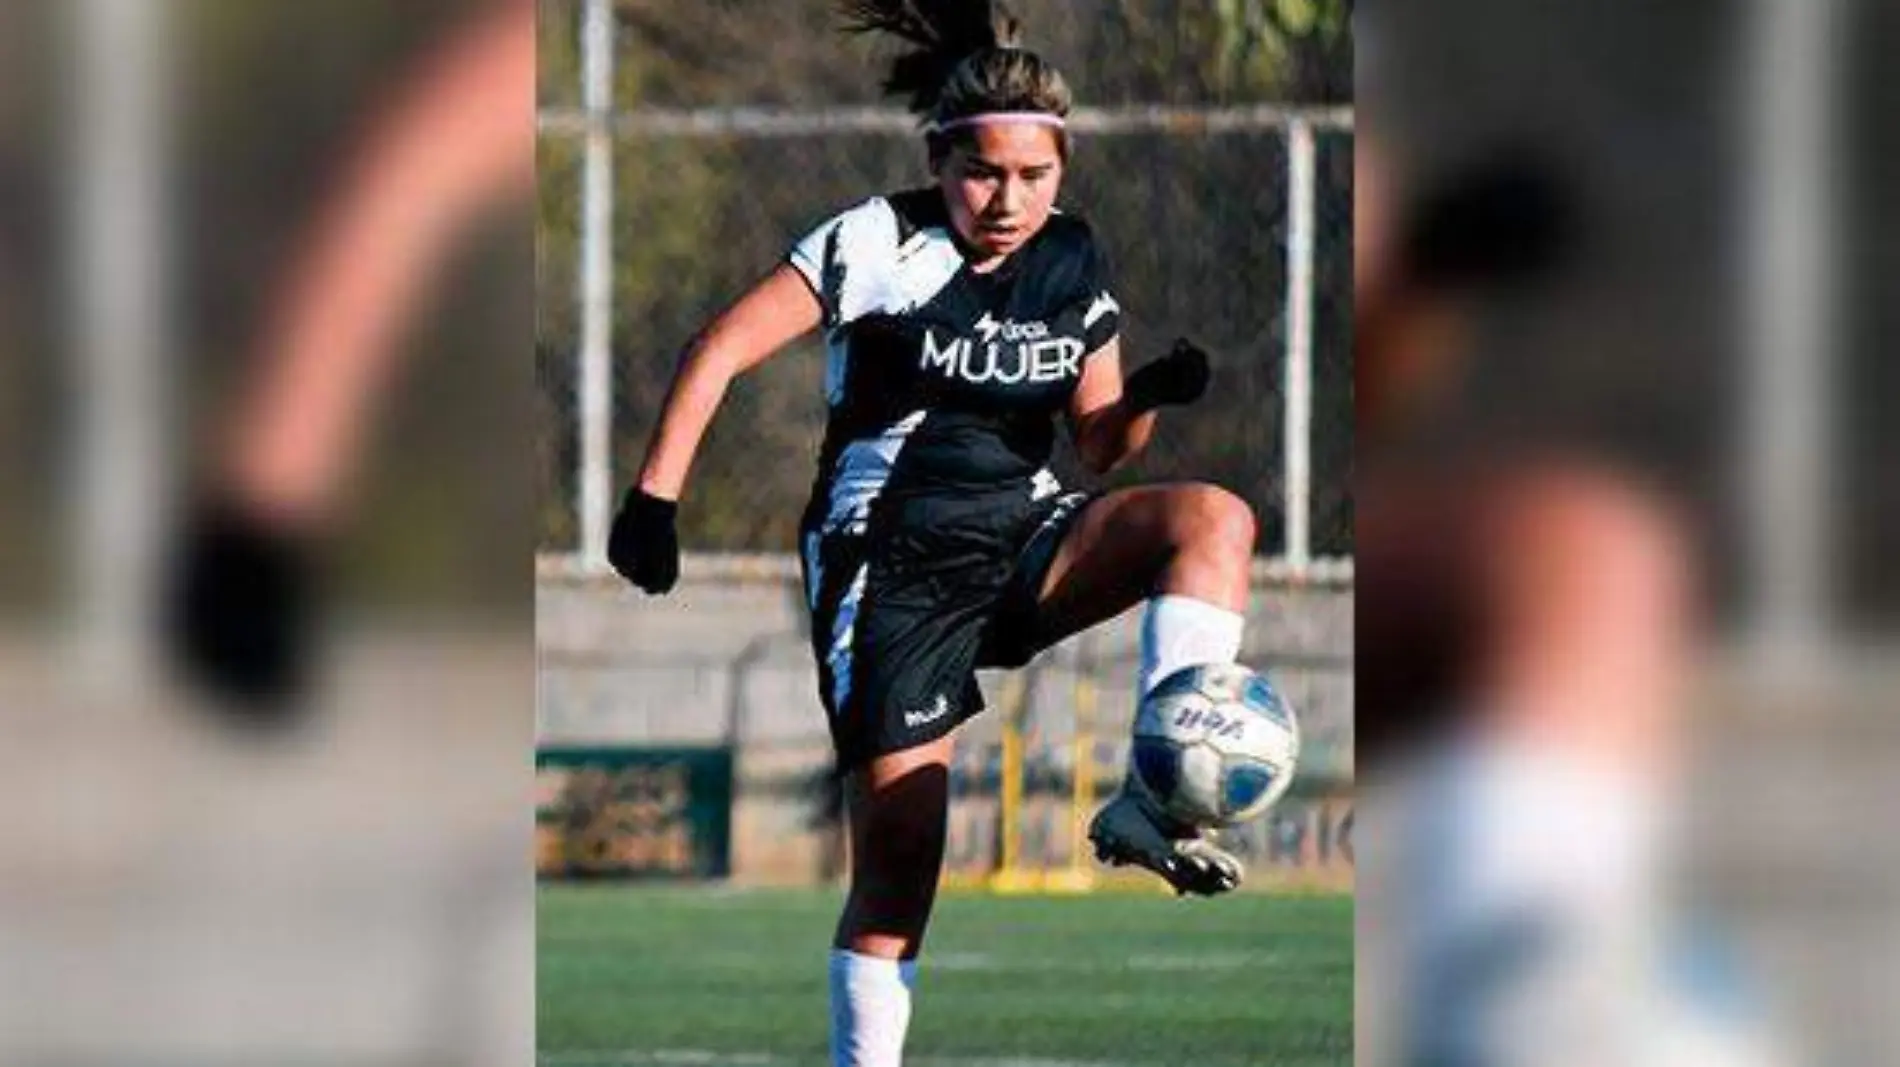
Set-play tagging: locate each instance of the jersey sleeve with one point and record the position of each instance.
(1101, 315)
(844, 256)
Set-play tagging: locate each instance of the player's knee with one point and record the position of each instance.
(903, 859)
(893, 886)
(1213, 518)
(902, 850)
(1594, 605)
(1627, 549)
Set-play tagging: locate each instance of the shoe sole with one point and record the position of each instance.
(1110, 850)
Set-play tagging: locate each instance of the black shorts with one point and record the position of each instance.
(904, 613)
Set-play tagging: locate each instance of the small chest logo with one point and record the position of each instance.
(1009, 330)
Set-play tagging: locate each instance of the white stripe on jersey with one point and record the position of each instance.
(1103, 305)
(920, 270)
(843, 629)
(837, 354)
(814, 570)
(863, 469)
(856, 266)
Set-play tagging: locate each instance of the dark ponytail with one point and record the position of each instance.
(967, 58)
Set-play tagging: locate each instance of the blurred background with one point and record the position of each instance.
(179, 883)
(682, 149)
(1712, 344)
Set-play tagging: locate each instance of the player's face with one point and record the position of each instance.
(1001, 184)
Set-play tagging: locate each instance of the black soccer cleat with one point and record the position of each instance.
(1128, 831)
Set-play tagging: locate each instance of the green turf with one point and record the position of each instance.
(701, 976)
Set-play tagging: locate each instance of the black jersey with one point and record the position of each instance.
(940, 380)
(934, 517)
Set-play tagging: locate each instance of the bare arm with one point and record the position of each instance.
(458, 138)
(1107, 431)
(775, 312)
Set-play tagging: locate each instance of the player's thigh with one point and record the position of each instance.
(1109, 560)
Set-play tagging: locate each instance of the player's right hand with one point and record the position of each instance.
(240, 609)
(644, 546)
(1507, 220)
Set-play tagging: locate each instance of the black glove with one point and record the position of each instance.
(1180, 377)
(239, 609)
(1507, 220)
(644, 546)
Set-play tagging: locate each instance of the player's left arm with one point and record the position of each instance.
(456, 141)
(1112, 420)
(1107, 431)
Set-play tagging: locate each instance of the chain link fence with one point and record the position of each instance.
(1195, 220)
(1194, 204)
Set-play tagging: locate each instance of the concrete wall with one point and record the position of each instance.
(726, 658)
(729, 659)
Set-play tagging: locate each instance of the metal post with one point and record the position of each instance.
(1787, 469)
(596, 355)
(120, 326)
(1297, 453)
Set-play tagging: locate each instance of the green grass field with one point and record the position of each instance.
(707, 976)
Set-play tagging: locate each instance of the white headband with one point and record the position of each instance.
(1039, 118)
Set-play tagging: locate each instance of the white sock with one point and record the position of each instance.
(1180, 631)
(1543, 861)
(870, 1009)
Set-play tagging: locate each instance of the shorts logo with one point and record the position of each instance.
(928, 715)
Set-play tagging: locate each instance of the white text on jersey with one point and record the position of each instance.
(988, 328)
(1035, 361)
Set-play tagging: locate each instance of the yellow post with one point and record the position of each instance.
(1080, 875)
(1083, 762)
(1010, 877)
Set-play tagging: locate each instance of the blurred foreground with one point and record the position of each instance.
(181, 881)
(1626, 662)
(354, 893)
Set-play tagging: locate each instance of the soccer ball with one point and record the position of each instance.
(1215, 745)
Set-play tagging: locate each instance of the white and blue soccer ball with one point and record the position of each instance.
(1215, 745)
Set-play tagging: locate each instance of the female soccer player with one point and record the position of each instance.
(960, 319)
